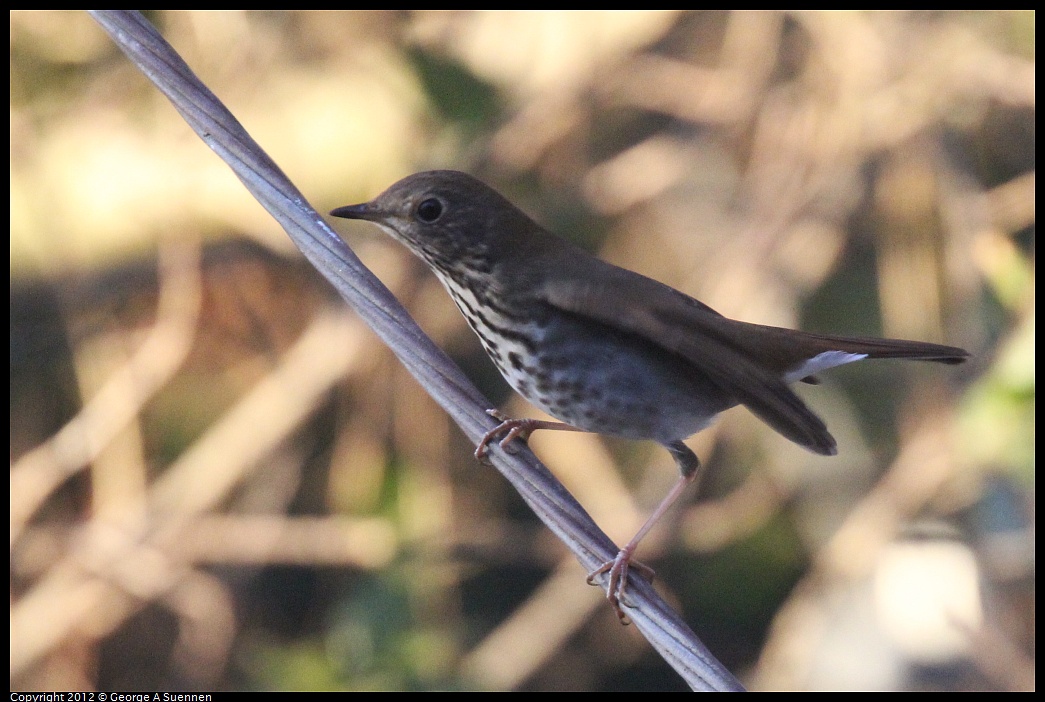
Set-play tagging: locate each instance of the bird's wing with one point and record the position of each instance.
(684, 326)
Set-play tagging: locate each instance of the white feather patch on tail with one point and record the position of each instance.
(820, 362)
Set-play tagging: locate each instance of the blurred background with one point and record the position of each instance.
(221, 480)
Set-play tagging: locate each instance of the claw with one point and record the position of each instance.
(511, 428)
(514, 429)
(618, 569)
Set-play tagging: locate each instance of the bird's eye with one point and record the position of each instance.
(429, 210)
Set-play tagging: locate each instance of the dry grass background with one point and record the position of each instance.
(845, 172)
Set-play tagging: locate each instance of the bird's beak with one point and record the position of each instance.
(365, 211)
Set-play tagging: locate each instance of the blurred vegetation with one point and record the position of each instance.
(220, 480)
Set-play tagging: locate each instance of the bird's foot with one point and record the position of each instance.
(618, 569)
(514, 429)
(510, 428)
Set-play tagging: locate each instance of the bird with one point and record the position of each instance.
(604, 349)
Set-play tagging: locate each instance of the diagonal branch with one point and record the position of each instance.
(552, 503)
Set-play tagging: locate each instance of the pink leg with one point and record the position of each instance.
(619, 566)
(515, 428)
(689, 469)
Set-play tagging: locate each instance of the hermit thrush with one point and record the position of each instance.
(604, 349)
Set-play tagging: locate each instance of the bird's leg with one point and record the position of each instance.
(515, 428)
(685, 459)
(689, 468)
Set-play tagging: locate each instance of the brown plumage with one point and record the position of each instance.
(604, 349)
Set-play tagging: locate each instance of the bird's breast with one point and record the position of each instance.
(588, 374)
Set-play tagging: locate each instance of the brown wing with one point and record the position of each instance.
(682, 325)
